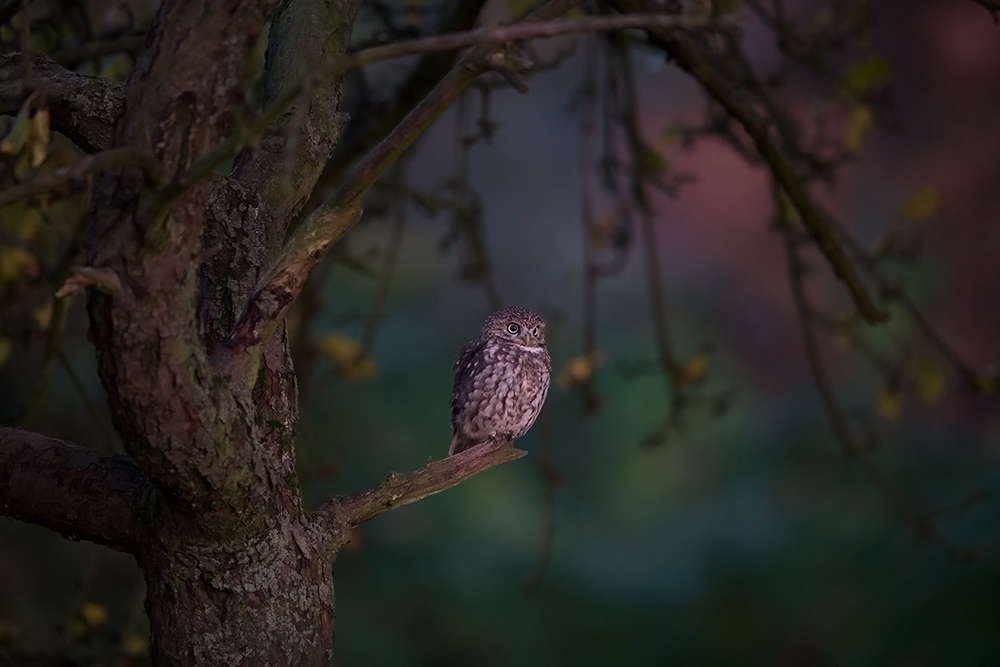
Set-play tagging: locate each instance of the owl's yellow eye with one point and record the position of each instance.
(534, 331)
(513, 328)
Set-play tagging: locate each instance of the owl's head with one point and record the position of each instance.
(518, 325)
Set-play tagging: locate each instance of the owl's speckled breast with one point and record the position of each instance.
(505, 392)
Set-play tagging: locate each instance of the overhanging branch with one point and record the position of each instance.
(327, 224)
(81, 493)
(690, 57)
(82, 168)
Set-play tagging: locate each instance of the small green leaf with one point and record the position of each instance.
(921, 204)
(857, 126)
(650, 163)
(519, 7)
(928, 379)
(865, 74)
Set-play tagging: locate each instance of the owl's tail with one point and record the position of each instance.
(458, 445)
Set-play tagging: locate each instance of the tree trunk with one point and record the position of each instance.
(261, 598)
(235, 572)
(207, 499)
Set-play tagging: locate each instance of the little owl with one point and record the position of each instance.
(501, 379)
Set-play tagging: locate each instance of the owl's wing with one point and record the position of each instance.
(464, 369)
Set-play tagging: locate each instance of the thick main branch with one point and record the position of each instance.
(84, 108)
(80, 493)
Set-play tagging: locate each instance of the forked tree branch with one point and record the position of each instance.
(81, 493)
(327, 224)
(400, 489)
(284, 279)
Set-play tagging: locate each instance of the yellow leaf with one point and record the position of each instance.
(602, 230)
(671, 134)
(348, 356)
(695, 370)
(15, 262)
(518, 7)
(21, 219)
(928, 379)
(14, 141)
(77, 629)
(921, 204)
(579, 369)
(889, 402)
(39, 139)
(134, 646)
(43, 314)
(857, 125)
(5, 347)
(94, 614)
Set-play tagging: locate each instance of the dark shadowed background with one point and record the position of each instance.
(745, 538)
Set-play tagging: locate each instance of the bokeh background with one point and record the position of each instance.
(747, 537)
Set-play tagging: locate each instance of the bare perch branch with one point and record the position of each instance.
(400, 489)
(80, 493)
(92, 164)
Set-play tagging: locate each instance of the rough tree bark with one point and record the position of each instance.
(207, 497)
(235, 572)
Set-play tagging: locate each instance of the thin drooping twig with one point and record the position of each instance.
(110, 436)
(467, 213)
(530, 31)
(282, 281)
(81, 169)
(853, 448)
(548, 464)
(624, 106)
(397, 213)
(588, 127)
(690, 56)
(53, 344)
(400, 489)
(971, 380)
(540, 27)
(368, 129)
